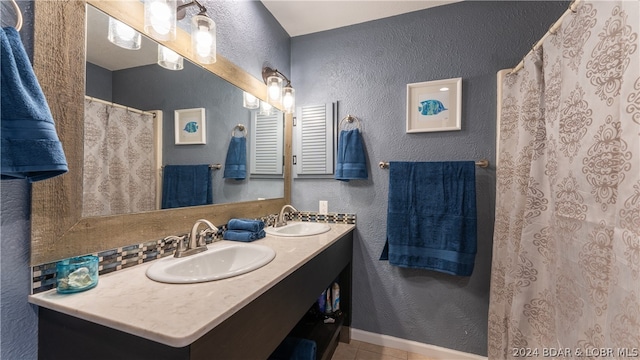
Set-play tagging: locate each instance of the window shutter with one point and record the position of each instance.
(314, 129)
(267, 144)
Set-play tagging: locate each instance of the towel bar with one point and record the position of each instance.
(350, 119)
(481, 163)
(212, 166)
(240, 127)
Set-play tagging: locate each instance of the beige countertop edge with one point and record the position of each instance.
(179, 314)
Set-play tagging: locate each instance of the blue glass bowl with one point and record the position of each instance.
(77, 274)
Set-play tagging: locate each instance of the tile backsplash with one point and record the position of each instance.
(44, 276)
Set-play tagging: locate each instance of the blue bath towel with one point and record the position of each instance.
(186, 185)
(245, 224)
(29, 146)
(243, 235)
(235, 166)
(431, 216)
(295, 349)
(352, 160)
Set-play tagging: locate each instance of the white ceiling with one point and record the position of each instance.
(300, 17)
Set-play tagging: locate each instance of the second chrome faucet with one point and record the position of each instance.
(282, 221)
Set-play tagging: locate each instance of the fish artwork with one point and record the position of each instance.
(191, 127)
(431, 107)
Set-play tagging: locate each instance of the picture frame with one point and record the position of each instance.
(190, 126)
(434, 106)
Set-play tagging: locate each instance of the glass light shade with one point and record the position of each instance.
(274, 89)
(169, 59)
(249, 101)
(265, 108)
(123, 35)
(160, 19)
(203, 39)
(289, 99)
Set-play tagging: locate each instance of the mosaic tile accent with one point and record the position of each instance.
(43, 276)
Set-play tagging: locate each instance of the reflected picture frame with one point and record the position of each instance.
(190, 126)
(434, 106)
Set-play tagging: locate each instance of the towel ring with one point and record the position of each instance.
(350, 119)
(16, 8)
(241, 128)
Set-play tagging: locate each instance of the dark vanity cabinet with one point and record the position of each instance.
(253, 332)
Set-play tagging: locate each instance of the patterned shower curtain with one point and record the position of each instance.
(566, 254)
(119, 161)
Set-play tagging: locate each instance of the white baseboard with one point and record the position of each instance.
(431, 351)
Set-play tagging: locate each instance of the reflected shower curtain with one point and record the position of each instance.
(119, 161)
(566, 253)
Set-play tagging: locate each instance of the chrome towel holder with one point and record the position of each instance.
(483, 163)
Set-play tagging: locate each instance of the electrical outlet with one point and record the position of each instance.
(324, 207)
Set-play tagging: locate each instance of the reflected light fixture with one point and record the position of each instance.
(249, 101)
(276, 93)
(160, 19)
(265, 108)
(123, 35)
(169, 59)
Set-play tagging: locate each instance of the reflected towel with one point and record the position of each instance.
(295, 349)
(352, 160)
(30, 146)
(245, 224)
(186, 185)
(235, 166)
(431, 216)
(241, 235)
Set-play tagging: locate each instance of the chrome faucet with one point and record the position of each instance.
(197, 242)
(282, 221)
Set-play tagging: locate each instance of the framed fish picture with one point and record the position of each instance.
(190, 126)
(434, 106)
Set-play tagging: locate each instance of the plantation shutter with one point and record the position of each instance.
(314, 145)
(267, 144)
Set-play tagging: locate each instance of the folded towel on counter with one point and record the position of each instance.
(431, 216)
(186, 185)
(29, 143)
(241, 235)
(235, 165)
(352, 160)
(295, 349)
(245, 224)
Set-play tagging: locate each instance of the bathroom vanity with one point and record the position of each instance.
(128, 316)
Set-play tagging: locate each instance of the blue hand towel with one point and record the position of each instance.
(295, 349)
(352, 160)
(186, 185)
(245, 224)
(431, 216)
(242, 235)
(29, 146)
(235, 166)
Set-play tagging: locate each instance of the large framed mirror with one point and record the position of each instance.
(59, 229)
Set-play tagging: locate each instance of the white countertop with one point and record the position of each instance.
(172, 314)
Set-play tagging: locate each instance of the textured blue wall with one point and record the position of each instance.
(248, 35)
(366, 68)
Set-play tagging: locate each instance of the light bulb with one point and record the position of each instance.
(288, 100)
(123, 35)
(203, 41)
(160, 17)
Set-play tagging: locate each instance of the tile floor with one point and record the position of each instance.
(358, 350)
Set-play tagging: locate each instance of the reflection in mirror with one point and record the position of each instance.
(129, 177)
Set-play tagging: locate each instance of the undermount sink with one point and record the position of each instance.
(222, 260)
(299, 229)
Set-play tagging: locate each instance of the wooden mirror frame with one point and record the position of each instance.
(58, 229)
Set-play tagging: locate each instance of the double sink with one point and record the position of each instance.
(226, 259)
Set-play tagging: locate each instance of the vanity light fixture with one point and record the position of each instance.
(123, 35)
(160, 19)
(249, 101)
(276, 93)
(203, 33)
(169, 59)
